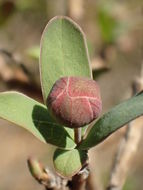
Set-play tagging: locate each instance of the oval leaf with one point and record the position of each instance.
(63, 52)
(113, 120)
(33, 116)
(69, 162)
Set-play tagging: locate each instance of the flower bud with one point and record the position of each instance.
(75, 101)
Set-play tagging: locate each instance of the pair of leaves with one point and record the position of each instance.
(64, 53)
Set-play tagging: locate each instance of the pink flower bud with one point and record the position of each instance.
(75, 101)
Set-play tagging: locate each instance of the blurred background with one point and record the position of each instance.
(114, 32)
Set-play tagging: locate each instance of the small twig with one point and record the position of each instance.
(127, 148)
(45, 177)
(124, 155)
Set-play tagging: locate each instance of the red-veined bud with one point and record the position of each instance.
(75, 101)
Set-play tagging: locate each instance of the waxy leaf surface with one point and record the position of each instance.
(63, 53)
(34, 116)
(113, 120)
(68, 162)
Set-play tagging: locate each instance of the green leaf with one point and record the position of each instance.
(69, 162)
(113, 120)
(63, 52)
(33, 116)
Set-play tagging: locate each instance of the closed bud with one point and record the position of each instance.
(75, 101)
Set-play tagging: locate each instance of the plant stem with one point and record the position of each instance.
(77, 135)
(80, 179)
